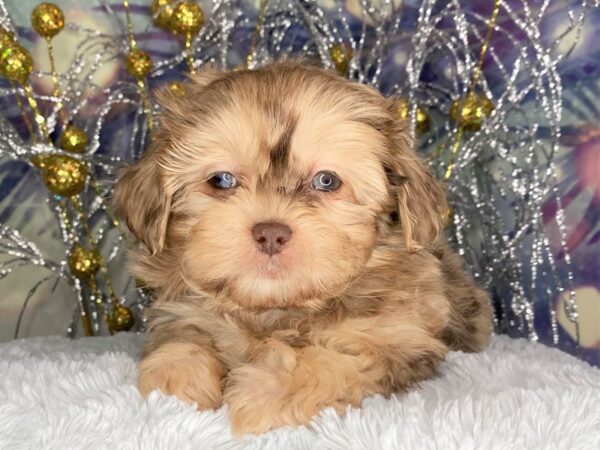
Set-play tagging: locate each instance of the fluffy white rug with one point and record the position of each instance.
(62, 394)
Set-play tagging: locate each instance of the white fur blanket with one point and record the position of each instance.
(62, 394)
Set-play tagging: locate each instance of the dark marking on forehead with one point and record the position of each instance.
(279, 154)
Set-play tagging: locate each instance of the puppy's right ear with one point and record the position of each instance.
(142, 201)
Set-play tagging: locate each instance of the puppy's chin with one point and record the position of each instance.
(279, 290)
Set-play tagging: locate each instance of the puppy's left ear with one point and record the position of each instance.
(421, 200)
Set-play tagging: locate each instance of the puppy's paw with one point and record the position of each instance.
(256, 400)
(184, 370)
(264, 397)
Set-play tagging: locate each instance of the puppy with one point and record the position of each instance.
(293, 239)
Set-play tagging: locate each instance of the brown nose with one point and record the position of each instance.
(271, 236)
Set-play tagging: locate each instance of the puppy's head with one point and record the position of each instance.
(268, 187)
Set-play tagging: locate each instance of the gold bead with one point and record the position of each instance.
(16, 63)
(187, 18)
(84, 262)
(64, 175)
(341, 56)
(449, 216)
(138, 63)
(140, 283)
(162, 10)
(177, 88)
(470, 113)
(47, 20)
(120, 318)
(422, 118)
(73, 140)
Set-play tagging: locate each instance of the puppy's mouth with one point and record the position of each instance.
(273, 267)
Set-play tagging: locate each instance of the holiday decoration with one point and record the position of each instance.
(138, 63)
(64, 175)
(47, 20)
(73, 140)
(16, 64)
(84, 263)
(341, 56)
(120, 319)
(422, 120)
(162, 10)
(481, 83)
(186, 20)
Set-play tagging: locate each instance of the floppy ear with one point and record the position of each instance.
(142, 201)
(421, 200)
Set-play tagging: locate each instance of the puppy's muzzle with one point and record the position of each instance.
(271, 236)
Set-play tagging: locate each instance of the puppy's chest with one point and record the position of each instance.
(243, 333)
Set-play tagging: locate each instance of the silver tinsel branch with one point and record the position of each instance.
(501, 174)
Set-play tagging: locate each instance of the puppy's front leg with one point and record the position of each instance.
(345, 364)
(188, 370)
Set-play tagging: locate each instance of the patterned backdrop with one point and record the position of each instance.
(23, 200)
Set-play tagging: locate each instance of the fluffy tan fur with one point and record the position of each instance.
(364, 299)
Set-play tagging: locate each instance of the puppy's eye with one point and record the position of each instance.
(326, 181)
(223, 180)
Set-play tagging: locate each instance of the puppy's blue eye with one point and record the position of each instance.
(326, 181)
(223, 180)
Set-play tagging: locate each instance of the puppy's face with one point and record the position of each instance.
(266, 187)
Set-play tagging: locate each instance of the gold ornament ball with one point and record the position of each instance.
(341, 56)
(64, 175)
(120, 318)
(47, 20)
(448, 218)
(422, 118)
(162, 10)
(15, 63)
(187, 18)
(73, 140)
(470, 112)
(177, 88)
(139, 63)
(83, 262)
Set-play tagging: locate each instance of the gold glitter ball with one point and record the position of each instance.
(177, 88)
(470, 112)
(422, 118)
(84, 262)
(15, 63)
(187, 18)
(138, 63)
(47, 20)
(162, 10)
(341, 56)
(73, 140)
(120, 318)
(64, 175)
